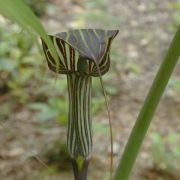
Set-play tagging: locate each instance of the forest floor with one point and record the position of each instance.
(143, 39)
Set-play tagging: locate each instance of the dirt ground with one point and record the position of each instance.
(143, 39)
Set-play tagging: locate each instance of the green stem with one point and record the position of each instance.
(146, 114)
(80, 173)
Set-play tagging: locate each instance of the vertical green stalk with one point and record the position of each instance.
(80, 173)
(146, 114)
(79, 138)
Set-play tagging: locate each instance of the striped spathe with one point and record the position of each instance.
(82, 54)
(79, 136)
(92, 46)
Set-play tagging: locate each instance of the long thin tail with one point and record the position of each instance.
(110, 120)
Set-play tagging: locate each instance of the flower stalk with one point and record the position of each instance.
(80, 169)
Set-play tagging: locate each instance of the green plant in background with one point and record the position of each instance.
(14, 10)
(165, 151)
(175, 15)
(173, 90)
(17, 74)
(38, 6)
(20, 85)
(175, 83)
(82, 54)
(52, 109)
(97, 11)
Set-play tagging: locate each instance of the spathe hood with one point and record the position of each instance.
(81, 50)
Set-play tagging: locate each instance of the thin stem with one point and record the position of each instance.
(146, 114)
(110, 120)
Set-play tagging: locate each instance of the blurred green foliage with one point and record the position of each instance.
(175, 83)
(173, 89)
(38, 6)
(43, 174)
(97, 11)
(101, 128)
(175, 16)
(23, 78)
(18, 64)
(59, 156)
(165, 151)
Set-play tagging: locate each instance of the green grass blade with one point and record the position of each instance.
(148, 109)
(19, 12)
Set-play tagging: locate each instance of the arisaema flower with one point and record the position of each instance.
(82, 54)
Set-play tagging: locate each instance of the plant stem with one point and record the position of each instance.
(80, 174)
(148, 109)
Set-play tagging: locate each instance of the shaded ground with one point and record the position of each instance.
(143, 40)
